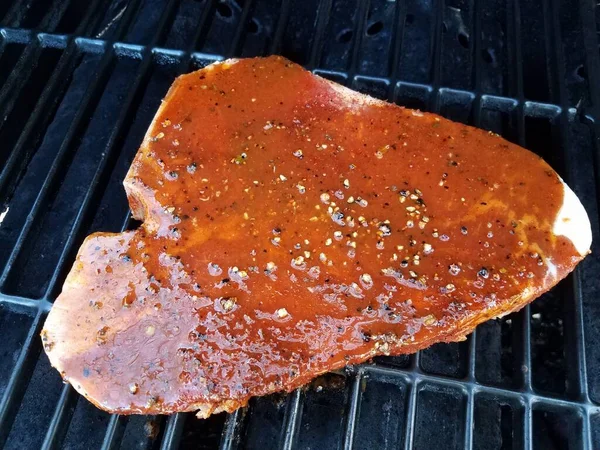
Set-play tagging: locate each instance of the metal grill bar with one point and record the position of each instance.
(16, 387)
(232, 430)
(39, 117)
(322, 19)
(361, 14)
(528, 422)
(18, 9)
(477, 108)
(114, 432)
(399, 19)
(236, 42)
(111, 146)
(281, 24)
(292, 419)
(28, 303)
(53, 17)
(412, 416)
(202, 29)
(173, 431)
(353, 404)
(16, 80)
(578, 341)
(472, 357)
(436, 71)
(580, 380)
(88, 104)
(62, 416)
(524, 314)
(413, 376)
(490, 102)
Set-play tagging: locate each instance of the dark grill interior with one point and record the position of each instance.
(79, 84)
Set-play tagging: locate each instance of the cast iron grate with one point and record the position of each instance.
(79, 84)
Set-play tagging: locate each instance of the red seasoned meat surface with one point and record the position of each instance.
(292, 226)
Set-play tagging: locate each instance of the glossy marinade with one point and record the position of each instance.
(292, 227)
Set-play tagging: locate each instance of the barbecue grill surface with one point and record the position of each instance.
(79, 84)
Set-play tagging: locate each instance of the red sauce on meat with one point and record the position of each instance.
(291, 229)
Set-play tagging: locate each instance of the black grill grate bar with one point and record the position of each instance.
(282, 19)
(500, 103)
(114, 432)
(28, 303)
(39, 117)
(477, 63)
(55, 13)
(2, 43)
(109, 155)
(397, 39)
(524, 339)
(85, 111)
(16, 11)
(166, 20)
(586, 430)
(17, 36)
(19, 76)
(322, 18)
(527, 424)
(524, 326)
(472, 357)
(469, 408)
(411, 377)
(59, 164)
(411, 416)
(203, 27)
(61, 418)
(359, 30)
(128, 15)
(576, 327)
(232, 430)
(591, 43)
(352, 411)
(515, 58)
(90, 17)
(292, 419)
(577, 335)
(15, 388)
(175, 423)
(240, 31)
(436, 64)
(173, 431)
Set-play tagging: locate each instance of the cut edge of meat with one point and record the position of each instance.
(573, 222)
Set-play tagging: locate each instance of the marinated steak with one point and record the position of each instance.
(292, 226)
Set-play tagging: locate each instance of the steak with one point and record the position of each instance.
(292, 226)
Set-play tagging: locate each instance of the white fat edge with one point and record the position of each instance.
(551, 272)
(573, 222)
(353, 98)
(224, 64)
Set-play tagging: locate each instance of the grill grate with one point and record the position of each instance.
(79, 84)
